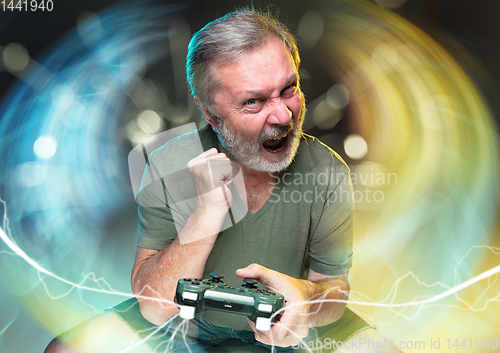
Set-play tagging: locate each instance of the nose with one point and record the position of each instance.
(279, 113)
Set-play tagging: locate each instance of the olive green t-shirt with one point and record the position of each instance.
(305, 224)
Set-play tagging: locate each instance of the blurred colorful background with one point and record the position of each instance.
(406, 91)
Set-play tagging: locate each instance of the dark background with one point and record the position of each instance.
(473, 24)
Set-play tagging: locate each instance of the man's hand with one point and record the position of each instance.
(308, 303)
(211, 173)
(294, 322)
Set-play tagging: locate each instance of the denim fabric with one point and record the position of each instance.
(197, 335)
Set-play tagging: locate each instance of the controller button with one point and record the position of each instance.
(263, 324)
(187, 312)
(231, 287)
(206, 282)
(194, 282)
(267, 294)
(198, 279)
(242, 290)
(190, 296)
(220, 286)
(186, 279)
(265, 308)
(273, 293)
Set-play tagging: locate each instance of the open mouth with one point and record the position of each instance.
(275, 145)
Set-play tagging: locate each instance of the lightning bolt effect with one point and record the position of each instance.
(425, 266)
(182, 328)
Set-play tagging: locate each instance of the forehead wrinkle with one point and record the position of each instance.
(236, 92)
(259, 92)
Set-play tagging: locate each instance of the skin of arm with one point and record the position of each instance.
(317, 301)
(324, 288)
(156, 272)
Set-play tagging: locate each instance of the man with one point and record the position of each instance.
(243, 73)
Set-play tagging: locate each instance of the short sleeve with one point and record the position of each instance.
(155, 228)
(330, 248)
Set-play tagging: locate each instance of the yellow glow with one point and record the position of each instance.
(428, 127)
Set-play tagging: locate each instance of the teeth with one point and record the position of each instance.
(279, 138)
(270, 149)
(279, 149)
(281, 145)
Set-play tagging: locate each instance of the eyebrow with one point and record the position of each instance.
(293, 78)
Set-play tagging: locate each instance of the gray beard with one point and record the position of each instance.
(248, 153)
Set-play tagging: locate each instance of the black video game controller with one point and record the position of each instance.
(197, 295)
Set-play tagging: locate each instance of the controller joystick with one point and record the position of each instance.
(250, 283)
(260, 306)
(216, 278)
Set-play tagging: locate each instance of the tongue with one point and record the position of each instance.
(272, 143)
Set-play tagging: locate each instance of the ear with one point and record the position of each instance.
(209, 118)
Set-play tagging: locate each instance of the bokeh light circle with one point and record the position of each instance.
(355, 146)
(15, 57)
(45, 147)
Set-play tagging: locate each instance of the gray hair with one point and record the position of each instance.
(224, 40)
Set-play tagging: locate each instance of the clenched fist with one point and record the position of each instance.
(212, 172)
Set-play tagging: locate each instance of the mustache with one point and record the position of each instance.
(276, 132)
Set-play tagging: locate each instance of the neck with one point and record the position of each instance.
(253, 176)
